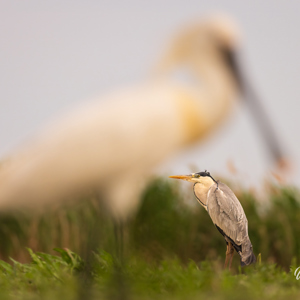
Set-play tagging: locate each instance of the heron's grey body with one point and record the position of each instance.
(226, 213)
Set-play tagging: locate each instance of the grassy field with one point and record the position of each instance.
(66, 277)
(171, 249)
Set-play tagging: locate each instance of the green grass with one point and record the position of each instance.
(54, 277)
(172, 250)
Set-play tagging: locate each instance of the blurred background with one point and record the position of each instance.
(55, 55)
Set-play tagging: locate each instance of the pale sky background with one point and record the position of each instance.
(56, 54)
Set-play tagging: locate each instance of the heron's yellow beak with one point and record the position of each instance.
(183, 177)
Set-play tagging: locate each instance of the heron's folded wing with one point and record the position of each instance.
(227, 213)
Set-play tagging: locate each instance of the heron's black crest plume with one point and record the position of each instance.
(206, 174)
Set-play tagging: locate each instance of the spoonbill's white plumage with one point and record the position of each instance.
(112, 144)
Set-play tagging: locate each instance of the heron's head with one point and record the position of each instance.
(203, 178)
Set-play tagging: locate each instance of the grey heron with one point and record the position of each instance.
(226, 212)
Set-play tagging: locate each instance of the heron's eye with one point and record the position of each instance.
(197, 175)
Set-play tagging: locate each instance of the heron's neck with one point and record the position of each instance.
(200, 192)
(201, 189)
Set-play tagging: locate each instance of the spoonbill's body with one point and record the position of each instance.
(112, 144)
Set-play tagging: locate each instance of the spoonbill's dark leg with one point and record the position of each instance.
(120, 291)
(119, 241)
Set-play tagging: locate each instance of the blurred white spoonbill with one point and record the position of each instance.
(111, 144)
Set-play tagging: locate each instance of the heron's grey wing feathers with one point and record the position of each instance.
(227, 213)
